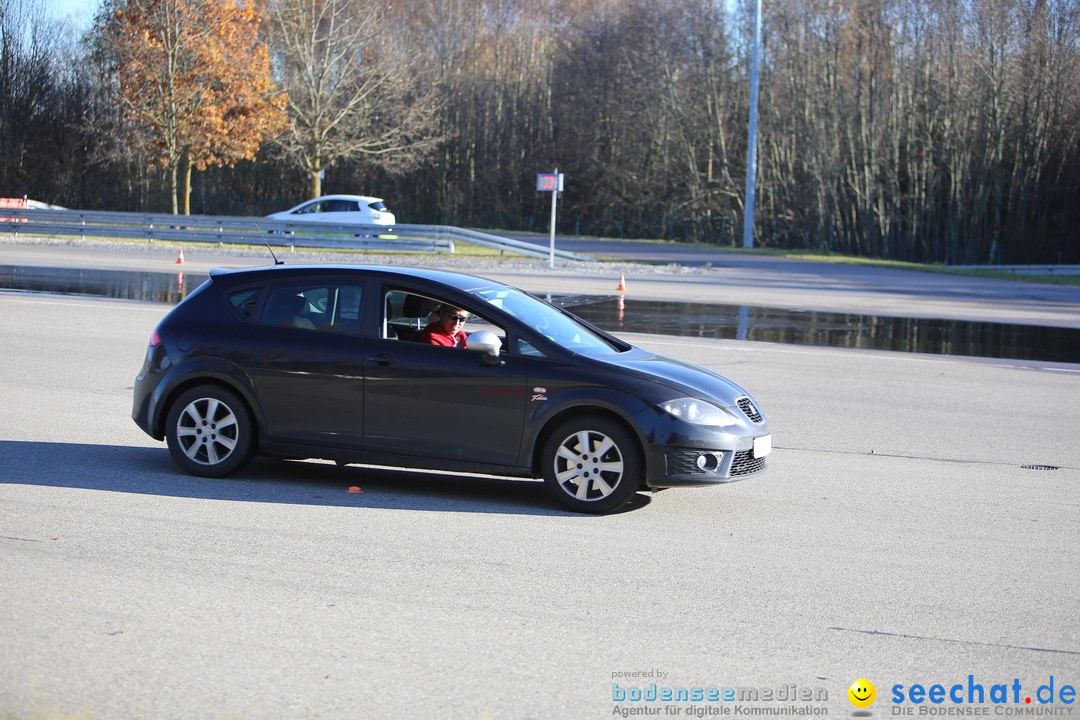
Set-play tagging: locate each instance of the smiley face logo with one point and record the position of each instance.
(862, 693)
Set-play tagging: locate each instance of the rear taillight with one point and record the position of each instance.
(155, 339)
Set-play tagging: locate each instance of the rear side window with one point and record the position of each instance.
(341, 206)
(329, 307)
(244, 302)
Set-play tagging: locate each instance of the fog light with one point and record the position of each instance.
(709, 462)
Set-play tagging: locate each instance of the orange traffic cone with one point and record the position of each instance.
(622, 283)
(180, 257)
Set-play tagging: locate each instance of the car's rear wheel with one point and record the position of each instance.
(592, 464)
(209, 431)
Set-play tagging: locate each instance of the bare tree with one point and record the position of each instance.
(28, 73)
(352, 94)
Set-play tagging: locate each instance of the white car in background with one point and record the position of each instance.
(339, 209)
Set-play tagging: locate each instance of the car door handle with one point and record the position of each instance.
(383, 359)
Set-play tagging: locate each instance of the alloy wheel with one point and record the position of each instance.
(588, 465)
(207, 430)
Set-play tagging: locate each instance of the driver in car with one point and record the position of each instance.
(447, 329)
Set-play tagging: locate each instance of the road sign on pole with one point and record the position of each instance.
(552, 183)
(549, 182)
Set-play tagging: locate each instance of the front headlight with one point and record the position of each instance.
(699, 412)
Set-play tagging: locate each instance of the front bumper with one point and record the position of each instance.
(681, 466)
(707, 467)
(680, 454)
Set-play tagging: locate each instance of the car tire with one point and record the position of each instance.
(209, 431)
(592, 464)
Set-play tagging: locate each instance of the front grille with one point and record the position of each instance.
(746, 464)
(747, 406)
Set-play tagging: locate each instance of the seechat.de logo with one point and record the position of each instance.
(862, 693)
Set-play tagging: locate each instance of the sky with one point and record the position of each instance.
(81, 12)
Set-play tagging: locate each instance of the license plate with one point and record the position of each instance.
(762, 446)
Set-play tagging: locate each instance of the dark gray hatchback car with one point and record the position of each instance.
(324, 362)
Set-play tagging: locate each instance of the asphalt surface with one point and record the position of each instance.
(897, 537)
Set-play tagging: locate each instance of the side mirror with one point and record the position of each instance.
(484, 341)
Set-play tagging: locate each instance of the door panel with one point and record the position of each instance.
(306, 359)
(441, 402)
(311, 386)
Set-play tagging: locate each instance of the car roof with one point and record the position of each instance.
(456, 280)
(358, 198)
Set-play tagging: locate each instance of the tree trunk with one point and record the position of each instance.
(187, 185)
(174, 185)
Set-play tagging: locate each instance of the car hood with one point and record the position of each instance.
(683, 378)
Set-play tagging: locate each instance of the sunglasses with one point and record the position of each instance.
(457, 318)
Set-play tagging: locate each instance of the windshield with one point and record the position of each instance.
(553, 324)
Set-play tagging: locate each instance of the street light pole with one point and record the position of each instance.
(551, 239)
(751, 150)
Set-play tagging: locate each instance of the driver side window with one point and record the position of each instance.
(406, 314)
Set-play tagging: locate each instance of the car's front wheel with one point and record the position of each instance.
(592, 464)
(209, 431)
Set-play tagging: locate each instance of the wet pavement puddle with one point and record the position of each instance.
(686, 319)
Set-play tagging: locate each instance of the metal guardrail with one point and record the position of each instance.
(163, 227)
(1024, 269)
(497, 242)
